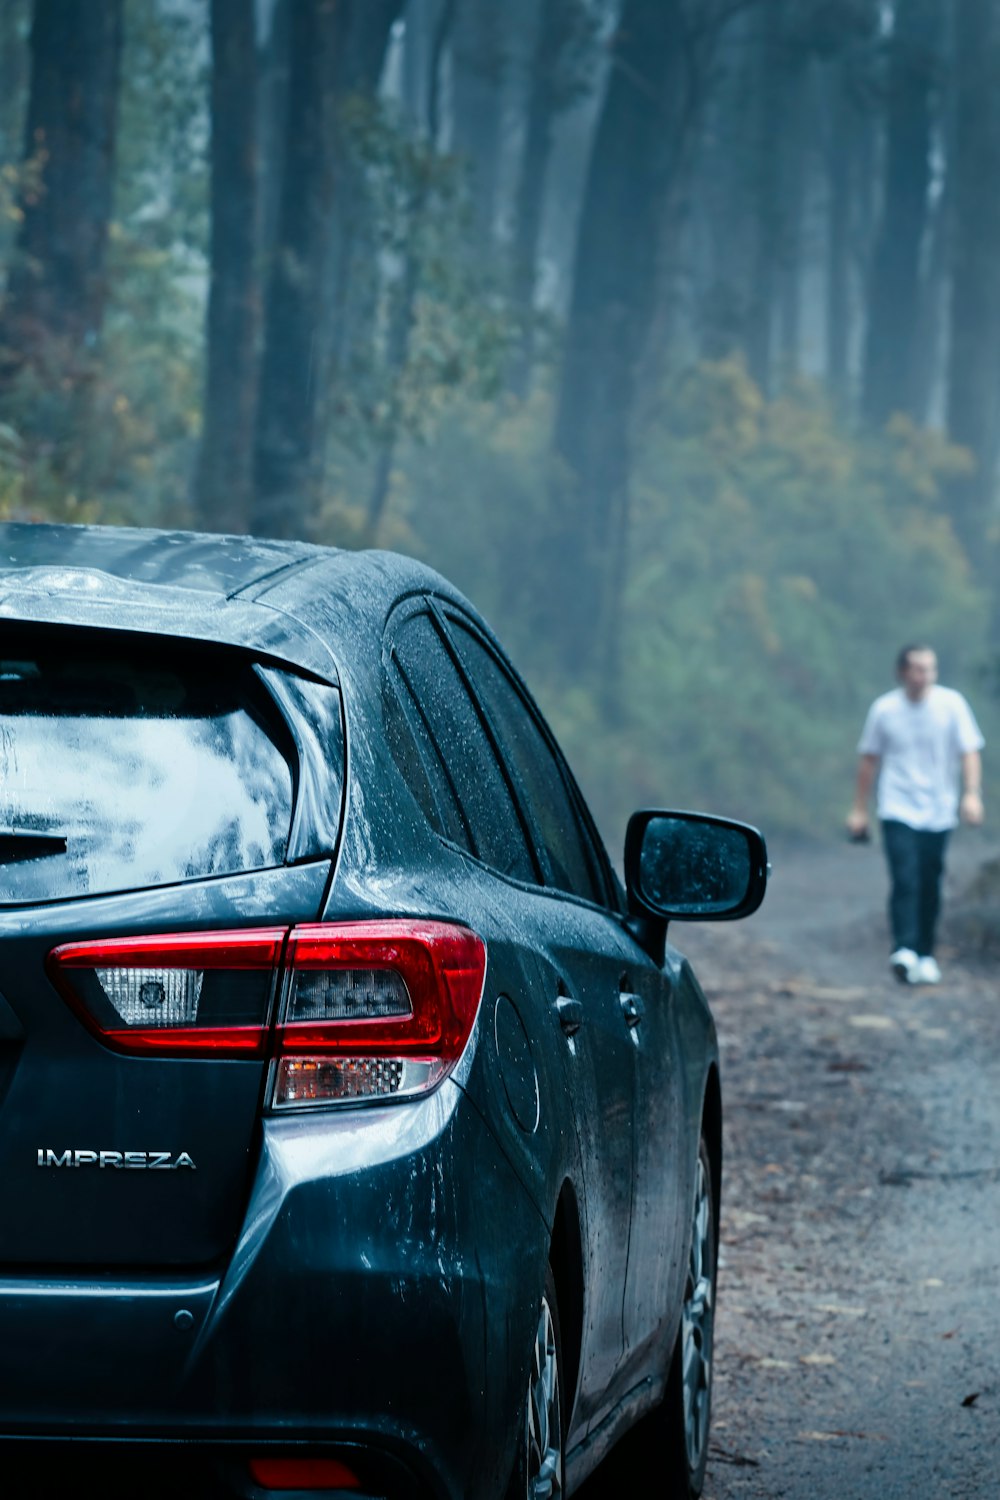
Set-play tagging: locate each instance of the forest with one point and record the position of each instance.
(668, 329)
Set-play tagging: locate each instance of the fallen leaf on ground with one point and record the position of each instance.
(806, 990)
(826, 1437)
(740, 1460)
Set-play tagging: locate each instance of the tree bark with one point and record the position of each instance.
(57, 285)
(973, 383)
(560, 29)
(841, 179)
(895, 291)
(634, 151)
(404, 311)
(14, 67)
(771, 90)
(337, 48)
(725, 205)
(225, 472)
(273, 68)
(478, 68)
(796, 160)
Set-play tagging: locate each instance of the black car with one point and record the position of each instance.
(358, 1134)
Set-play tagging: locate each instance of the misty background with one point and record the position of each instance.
(668, 329)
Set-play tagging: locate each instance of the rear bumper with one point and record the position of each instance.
(51, 1469)
(383, 1294)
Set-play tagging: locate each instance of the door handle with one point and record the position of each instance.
(570, 1013)
(632, 1008)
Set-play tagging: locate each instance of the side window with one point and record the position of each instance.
(458, 739)
(571, 857)
(419, 763)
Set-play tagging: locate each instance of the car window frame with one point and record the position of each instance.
(600, 865)
(409, 702)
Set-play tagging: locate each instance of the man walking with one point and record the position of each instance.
(922, 742)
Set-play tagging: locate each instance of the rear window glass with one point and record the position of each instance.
(118, 772)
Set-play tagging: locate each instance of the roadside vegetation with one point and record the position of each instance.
(704, 536)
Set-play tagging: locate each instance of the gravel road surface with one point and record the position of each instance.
(858, 1333)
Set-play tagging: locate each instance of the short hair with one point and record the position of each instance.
(903, 656)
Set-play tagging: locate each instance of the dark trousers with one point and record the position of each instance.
(916, 863)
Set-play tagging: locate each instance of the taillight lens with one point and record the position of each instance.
(193, 994)
(365, 1010)
(375, 1010)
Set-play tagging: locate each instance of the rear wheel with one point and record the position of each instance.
(539, 1462)
(666, 1453)
(687, 1406)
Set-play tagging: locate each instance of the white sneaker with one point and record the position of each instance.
(903, 964)
(926, 971)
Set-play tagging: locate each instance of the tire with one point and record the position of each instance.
(666, 1453)
(687, 1405)
(540, 1460)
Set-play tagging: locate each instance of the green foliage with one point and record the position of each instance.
(109, 435)
(776, 565)
(161, 192)
(779, 564)
(425, 325)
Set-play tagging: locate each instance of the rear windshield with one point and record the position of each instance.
(119, 771)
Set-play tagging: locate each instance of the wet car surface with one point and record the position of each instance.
(365, 1133)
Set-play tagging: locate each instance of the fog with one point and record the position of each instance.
(668, 329)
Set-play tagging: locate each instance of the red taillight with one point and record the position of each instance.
(197, 994)
(375, 1010)
(366, 1010)
(303, 1474)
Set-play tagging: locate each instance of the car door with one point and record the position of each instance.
(554, 968)
(626, 1078)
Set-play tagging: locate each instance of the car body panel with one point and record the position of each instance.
(64, 1091)
(355, 1262)
(370, 1275)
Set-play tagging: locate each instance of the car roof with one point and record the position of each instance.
(288, 600)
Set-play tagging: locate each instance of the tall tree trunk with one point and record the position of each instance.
(225, 472)
(57, 286)
(841, 181)
(795, 163)
(529, 198)
(973, 383)
(420, 18)
(724, 206)
(929, 337)
(14, 61)
(634, 151)
(403, 314)
(273, 68)
(773, 92)
(337, 48)
(894, 296)
(478, 68)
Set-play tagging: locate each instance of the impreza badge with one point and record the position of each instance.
(164, 1161)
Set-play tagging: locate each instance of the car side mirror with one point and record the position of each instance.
(693, 867)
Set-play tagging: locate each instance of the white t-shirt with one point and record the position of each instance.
(921, 746)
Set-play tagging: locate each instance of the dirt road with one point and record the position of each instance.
(858, 1334)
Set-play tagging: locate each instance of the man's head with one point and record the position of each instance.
(917, 669)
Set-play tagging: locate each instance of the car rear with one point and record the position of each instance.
(216, 1259)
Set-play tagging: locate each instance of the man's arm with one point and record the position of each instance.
(971, 809)
(857, 818)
